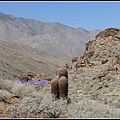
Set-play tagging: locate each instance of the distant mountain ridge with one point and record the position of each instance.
(53, 38)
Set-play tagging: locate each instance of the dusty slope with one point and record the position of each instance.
(16, 60)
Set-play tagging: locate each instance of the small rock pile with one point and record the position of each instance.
(31, 76)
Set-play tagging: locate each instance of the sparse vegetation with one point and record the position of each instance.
(37, 104)
(87, 108)
(4, 95)
(22, 90)
(93, 89)
(7, 84)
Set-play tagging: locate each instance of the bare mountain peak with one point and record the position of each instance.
(50, 37)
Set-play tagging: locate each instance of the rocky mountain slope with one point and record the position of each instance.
(16, 59)
(54, 38)
(32, 45)
(97, 73)
(94, 80)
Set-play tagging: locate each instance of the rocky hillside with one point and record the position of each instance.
(53, 38)
(16, 59)
(94, 85)
(32, 45)
(96, 74)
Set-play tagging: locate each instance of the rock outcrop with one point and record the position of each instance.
(97, 72)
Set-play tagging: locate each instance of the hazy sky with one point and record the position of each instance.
(88, 15)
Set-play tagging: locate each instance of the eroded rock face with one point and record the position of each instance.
(108, 32)
(98, 69)
(105, 48)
